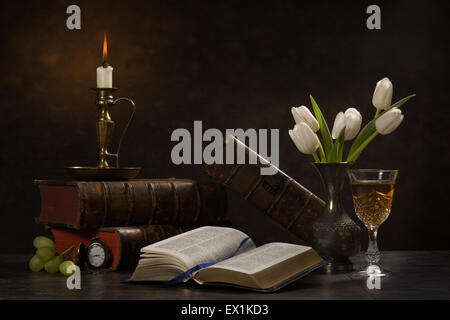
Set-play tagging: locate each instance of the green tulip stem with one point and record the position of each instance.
(315, 157)
(377, 113)
(340, 151)
(322, 154)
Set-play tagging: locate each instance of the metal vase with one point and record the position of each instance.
(335, 234)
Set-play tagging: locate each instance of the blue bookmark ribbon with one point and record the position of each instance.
(187, 273)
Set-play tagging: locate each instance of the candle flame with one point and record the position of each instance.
(105, 50)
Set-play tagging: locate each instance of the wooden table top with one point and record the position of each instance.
(415, 275)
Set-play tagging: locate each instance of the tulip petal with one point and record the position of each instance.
(309, 118)
(351, 119)
(296, 115)
(382, 95)
(353, 122)
(295, 140)
(302, 114)
(306, 139)
(389, 121)
(339, 123)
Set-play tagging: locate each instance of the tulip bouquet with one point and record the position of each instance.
(346, 126)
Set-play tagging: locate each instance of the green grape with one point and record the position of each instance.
(52, 266)
(45, 253)
(41, 242)
(65, 267)
(35, 264)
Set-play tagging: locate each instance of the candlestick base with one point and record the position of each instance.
(103, 174)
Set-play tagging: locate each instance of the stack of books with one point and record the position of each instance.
(127, 215)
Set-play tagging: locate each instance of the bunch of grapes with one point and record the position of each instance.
(48, 259)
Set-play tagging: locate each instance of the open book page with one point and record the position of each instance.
(202, 245)
(262, 257)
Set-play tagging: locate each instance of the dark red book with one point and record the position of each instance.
(124, 243)
(84, 205)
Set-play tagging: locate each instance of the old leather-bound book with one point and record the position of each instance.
(91, 205)
(282, 198)
(124, 243)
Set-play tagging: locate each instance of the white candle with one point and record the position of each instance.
(104, 77)
(104, 72)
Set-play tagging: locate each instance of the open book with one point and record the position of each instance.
(220, 255)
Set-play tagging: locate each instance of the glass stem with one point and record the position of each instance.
(372, 253)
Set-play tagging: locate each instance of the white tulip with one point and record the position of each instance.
(302, 114)
(351, 120)
(304, 138)
(382, 96)
(389, 121)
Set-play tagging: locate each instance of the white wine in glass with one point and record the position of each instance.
(372, 191)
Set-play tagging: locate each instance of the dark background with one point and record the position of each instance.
(231, 64)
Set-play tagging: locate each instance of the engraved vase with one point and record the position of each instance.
(335, 235)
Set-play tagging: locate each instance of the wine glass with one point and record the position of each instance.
(372, 191)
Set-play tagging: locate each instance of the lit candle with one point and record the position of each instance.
(104, 72)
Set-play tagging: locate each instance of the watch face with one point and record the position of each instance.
(96, 255)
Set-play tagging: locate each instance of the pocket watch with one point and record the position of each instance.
(97, 254)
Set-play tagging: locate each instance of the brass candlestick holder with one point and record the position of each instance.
(105, 129)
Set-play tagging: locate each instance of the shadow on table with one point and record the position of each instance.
(301, 284)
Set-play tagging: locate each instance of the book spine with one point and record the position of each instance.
(131, 203)
(132, 239)
(282, 198)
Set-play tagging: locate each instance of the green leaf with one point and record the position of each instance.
(357, 152)
(362, 136)
(326, 136)
(399, 103)
(369, 128)
(337, 147)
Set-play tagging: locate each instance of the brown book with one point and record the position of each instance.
(282, 198)
(91, 205)
(124, 243)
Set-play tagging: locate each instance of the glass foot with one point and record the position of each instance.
(337, 267)
(371, 271)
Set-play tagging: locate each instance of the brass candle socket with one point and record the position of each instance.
(105, 129)
(105, 125)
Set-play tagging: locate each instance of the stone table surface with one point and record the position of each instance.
(415, 275)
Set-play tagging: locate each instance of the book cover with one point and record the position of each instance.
(282, 198)
(90, 205)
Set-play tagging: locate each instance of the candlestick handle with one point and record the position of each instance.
(124, 129)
